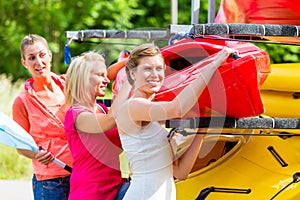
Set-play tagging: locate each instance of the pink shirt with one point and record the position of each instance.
(96, 168)
(46, 127)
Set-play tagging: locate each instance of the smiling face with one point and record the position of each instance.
(98, 79)
(149, 75)
(37, 59)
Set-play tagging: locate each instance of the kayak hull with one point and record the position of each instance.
(247, 171)
(234, 89)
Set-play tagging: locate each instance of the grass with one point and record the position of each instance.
(12, 165)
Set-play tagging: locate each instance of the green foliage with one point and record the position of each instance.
(51, 18)
(281, 53)
(12, 165)
(8, 92)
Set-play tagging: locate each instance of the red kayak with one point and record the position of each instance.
(284, 12)
(233, 91)
(259, 12)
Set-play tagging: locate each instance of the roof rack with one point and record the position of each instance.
(123, 34)
(246, 32)
(235, 123)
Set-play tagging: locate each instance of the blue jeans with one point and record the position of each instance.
(123, 190)
(51, 189)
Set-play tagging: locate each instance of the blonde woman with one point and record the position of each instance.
(91, 130)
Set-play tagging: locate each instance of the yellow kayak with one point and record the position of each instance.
(249, 170)
(280, 92)
(283, 77)
(281, 103)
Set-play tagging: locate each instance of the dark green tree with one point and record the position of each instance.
(51, 18)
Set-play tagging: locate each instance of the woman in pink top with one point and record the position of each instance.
(91, 132)
(40, 110)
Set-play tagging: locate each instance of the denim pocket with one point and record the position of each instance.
(52, 184)
(55, 189)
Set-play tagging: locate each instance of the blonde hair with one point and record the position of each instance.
(31, 39)
(137, 53)
(78, 76)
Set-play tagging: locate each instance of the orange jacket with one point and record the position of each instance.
(46, 128)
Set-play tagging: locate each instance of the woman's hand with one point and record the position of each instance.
(228, 51)
(44, 157)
